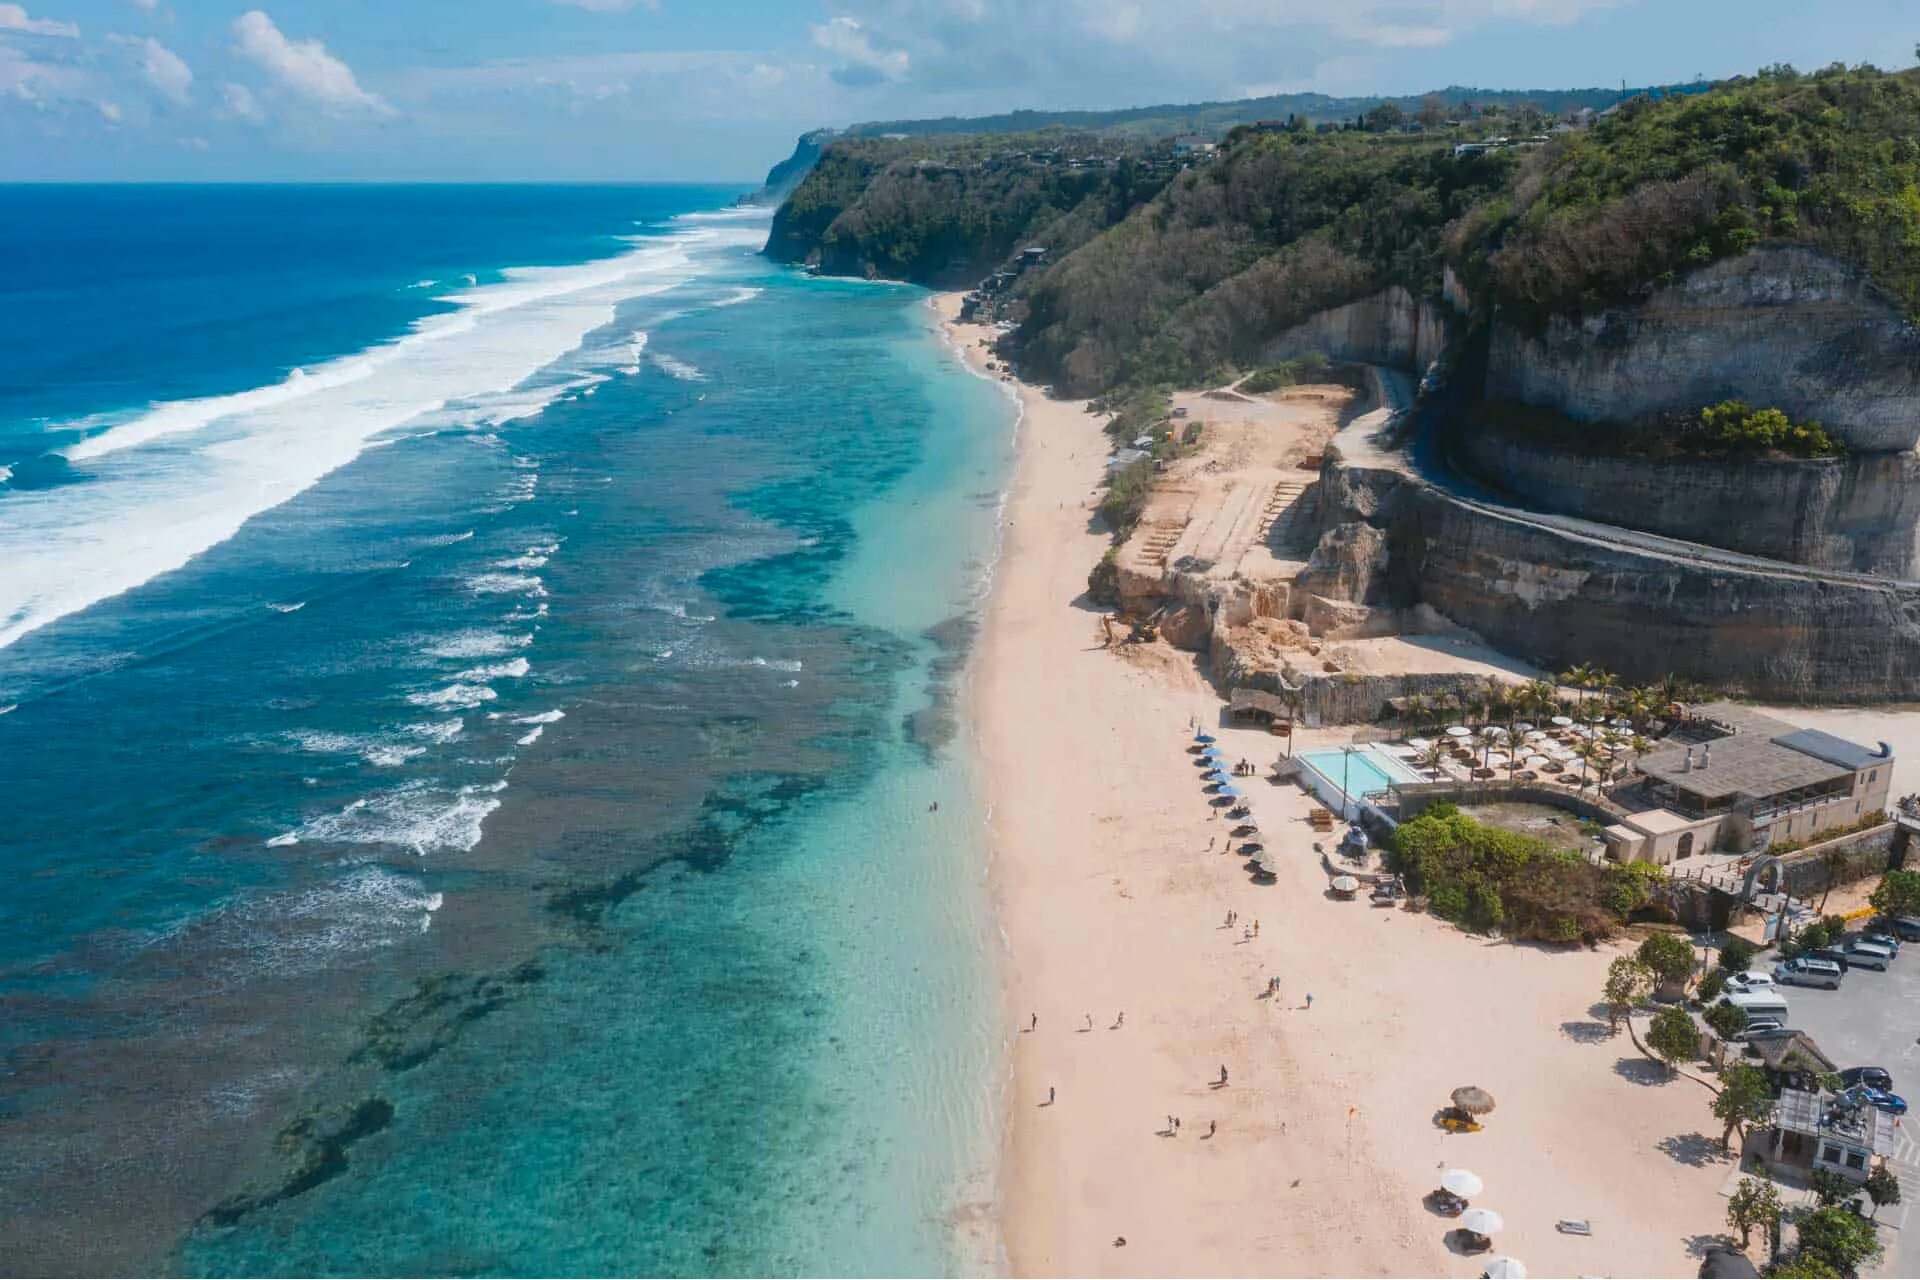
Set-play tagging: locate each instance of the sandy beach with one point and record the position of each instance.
(1113, 897)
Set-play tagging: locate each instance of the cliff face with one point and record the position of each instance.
(1785, 327)
(1391, 328)
(1860, 513)
(788, 174)
(1556, 598)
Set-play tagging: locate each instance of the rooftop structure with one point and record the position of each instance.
(1824, 1131)
(1739, 779)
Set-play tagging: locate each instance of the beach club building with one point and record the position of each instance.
(1738, 780)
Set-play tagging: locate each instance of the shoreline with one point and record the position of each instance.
(1108, 901)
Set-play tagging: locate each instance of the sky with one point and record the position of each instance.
(716, 90)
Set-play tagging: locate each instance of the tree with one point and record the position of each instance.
(1712, 983)
(1897, 894)
(1628, 982)
(1433, 110)
(1802, 1267)
(1754, 1203)
(1883, 1187)
(1672, 1036)
(1736, 954)
(1386, 116)
(1668, 957)
(1829, 1188)
(1745, 1098)
(1727, 1020)
(1842, 1240)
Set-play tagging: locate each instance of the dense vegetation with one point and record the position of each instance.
(1236, 251)
(1732, 429)
(1483, 878)
(1160, 275)
(945, 211)
(1829, 159)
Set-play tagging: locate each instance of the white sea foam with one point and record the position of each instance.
(678, 368)
(477, 644)
(438, 730)
(6, 474)
(455, 697)
(416, 815)
(529, 615)
(513, 669)
(447, 539)
(528, 561)
(635, 348)
(739, 296)
(167, 482)
(544, 717)
(295, 607)
(499, 584)
(532, 735)
(392, 754)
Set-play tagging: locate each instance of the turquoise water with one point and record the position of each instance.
(1364, 771)
(514, 849)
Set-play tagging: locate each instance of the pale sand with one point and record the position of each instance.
(1110, 901)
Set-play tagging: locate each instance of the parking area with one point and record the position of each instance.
(1873, 1020)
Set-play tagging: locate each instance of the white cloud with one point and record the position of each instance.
(610, 6)
(861, 61)
(109, 111)
(163, 69)
(149, 5)
(13, 17)
(304, 67)
(237, 101)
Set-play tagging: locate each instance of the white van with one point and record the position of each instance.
(1867, 955)
(1810, 971)
(1758, 1004)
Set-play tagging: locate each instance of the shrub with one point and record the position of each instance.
(1736, 955)
(1897, 894)
(1126, 499)
(1103, 580)
(1839, 1239)
(1484, 877)
(1672, 1036)
(1668, 956)
(1712, 985)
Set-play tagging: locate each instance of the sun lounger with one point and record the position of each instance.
(1574, 1227)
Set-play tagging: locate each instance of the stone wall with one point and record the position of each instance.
(1832, 863)
(1390, 327)
(1860, 513)
(1786, 327)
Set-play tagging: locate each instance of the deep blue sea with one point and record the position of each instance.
(483, 789)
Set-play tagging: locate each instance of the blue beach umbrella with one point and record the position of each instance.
(1213, 753)
(1204, 738)
(1230, 790)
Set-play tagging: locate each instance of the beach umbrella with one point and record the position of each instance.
(1562, 722)
(1504, 1268)
(1461, 1182)
(1230, 791)
(1461, 731)
(1482, 1222)
(1473, 1100)
(1538, 762)
(1525, 726)
(1204, 738)
(1345, 884)
(1420, 744)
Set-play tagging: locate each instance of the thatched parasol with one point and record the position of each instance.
(1473, 1100)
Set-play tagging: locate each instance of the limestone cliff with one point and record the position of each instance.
(1784, 326)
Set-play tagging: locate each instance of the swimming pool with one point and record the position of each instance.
(1365, 770)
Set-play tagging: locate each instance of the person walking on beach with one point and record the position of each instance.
(1120, 1021)
(1309, 999)
(1049, 1095)
(1033, 1022)
(1223, 1073)
(1089, 1022)
(1256, 928)
(1213, 1127)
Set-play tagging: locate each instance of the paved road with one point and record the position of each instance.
(1873, 1021)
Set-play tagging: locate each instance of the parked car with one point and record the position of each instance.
(1834, 954)
(1805, 971)
(1865, 955)
(1751, 980)
(1872, 1077)
(1863, 1095)
(1907, 927)
(1886, 940)
(1760, 1028)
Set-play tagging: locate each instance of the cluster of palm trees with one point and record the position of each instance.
(1596, 696)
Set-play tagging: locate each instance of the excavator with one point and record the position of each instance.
(1139, 630)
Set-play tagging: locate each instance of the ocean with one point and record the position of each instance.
(484, 790)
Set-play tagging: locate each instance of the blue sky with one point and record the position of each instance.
(451, 90)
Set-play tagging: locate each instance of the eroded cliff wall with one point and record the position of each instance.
(1860, 513)
(1390, 328)
(1784, 326)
